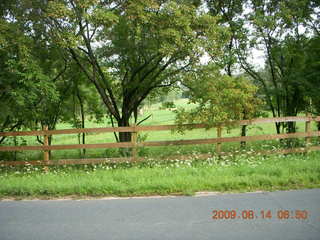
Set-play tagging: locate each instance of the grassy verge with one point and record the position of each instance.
(233, 173)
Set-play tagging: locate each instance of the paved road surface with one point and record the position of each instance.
(162, 218)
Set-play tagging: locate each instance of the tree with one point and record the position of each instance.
(24, 86)
(129, 49)
(231, 14)
(219, 99)
(279, 28)
(81, 103)
(312, 74)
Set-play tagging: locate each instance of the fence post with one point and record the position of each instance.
(219, 135)
(308, 130)
(46, 152)
(134, 135)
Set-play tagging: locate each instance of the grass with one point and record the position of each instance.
(228, 174)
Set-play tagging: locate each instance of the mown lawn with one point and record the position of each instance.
(233, 173)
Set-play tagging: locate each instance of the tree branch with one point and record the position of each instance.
(144, 119)
(112, 124)
(18, 124)
(100, 90)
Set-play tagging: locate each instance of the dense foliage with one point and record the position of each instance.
(67, 60)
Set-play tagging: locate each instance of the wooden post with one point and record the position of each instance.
(308, 130)
(219, 135)
(134, 136)
(45, 152)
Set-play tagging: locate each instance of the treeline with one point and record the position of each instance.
(70, 60)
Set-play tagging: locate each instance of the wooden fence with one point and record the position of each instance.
(134, 144)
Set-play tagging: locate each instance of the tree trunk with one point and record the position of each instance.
(278, 127)
(15, 144)
(243, 131)
(318, 125)
(50, 141)
(243, 134)
(291, 128)
(124, 136)
(82, 113)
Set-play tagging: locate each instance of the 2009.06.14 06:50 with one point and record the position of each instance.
(262, 214)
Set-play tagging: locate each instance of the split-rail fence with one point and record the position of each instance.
(134, 144)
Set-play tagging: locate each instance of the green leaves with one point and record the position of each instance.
(126, 49)
(104, 17)
(218, 98)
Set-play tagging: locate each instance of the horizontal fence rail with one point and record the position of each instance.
(134, 144)
(154, 128)
(128, 159)
(161, 143)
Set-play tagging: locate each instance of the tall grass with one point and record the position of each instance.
(232, 173)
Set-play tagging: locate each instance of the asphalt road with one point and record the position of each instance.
(166, 218)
